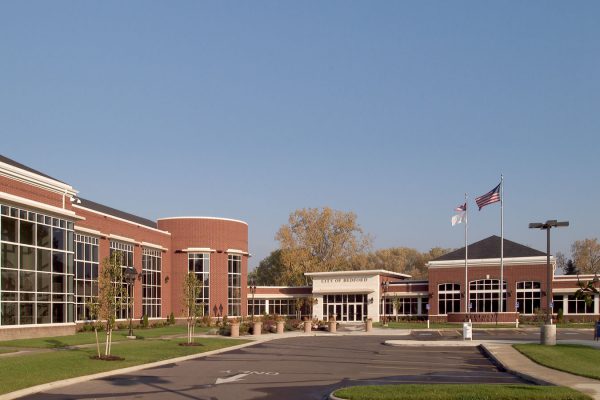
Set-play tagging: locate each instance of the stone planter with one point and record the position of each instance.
(235, 330)
(280, 327)
(307, 326)
(369, 325)
(257, 329)
(332, 326)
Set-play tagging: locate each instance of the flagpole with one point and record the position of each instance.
(501, 242)
(466, 257)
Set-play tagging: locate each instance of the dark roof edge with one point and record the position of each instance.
(14, 163)
(92, 205)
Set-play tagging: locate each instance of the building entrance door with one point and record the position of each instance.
(346, 307)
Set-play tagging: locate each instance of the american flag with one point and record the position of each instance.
(461, 208)
(493, 196)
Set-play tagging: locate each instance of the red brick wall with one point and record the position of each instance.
(217, 234)
(512, 275)
(31, 192)
(108, 225)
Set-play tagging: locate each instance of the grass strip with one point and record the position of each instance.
(572, 358)
(33, 369)
(82, 338)
(459, 392)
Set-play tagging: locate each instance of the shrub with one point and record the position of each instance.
(171, 319)
(144, 322)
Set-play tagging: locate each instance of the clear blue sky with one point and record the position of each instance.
(250, 110)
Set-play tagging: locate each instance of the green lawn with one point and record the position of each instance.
(89, 337)
(571, 358)
(459, 392)
(33, 369)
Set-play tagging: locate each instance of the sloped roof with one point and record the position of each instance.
(116, 213)
(490, 248)
(12, 162)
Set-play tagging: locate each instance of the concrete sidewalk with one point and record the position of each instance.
(509, 359)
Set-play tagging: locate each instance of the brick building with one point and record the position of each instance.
(53, 243)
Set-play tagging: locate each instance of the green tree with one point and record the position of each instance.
(270, 271)
(111, 293)
(319, 239)
(192, 287)
(586, 255)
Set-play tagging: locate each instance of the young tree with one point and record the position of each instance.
(93, 310)
(111, 292)
(586, 255)
(397, 302)
(192, 287)
(319, 239)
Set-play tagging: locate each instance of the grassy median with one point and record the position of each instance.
(459, 392)
(19, 372)
(571, 358)
(82, 338)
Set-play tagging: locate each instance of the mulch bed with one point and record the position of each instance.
(107, 358)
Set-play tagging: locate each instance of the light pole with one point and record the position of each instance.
(130, 275)
(253, 291)
(549, 331)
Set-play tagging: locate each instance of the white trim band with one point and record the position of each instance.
(122, 238)
(154, 246)
(38, 205)
(198, 250)
(88, 231)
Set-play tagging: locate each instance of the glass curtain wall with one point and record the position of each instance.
(199, 263)
(126, 250)
(234, 285)
(151, 282)
(86, 274)
(36, 268)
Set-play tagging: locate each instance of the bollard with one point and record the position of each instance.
(427, 324)
(280, 326)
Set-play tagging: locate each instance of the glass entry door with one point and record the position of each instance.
(346, 307)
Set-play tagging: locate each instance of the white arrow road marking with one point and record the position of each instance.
(233, 378)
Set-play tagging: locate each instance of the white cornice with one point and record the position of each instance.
(122, 238)
(89, 231)
(122, 219)
(486, 262)
(370, 272)
(19, 174)
(217, 218)
(271, 296)
(18, 200)
(154, 246)
(198, 250)
(237, 251)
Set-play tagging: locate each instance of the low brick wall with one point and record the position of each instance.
(28, 332)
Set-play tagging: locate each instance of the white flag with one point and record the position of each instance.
(458, 218)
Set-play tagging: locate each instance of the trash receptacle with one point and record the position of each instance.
(467, 331)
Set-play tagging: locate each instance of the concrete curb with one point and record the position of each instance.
(85, 378)
(530, 378)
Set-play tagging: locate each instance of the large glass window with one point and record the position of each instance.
(86, 274)
(529, 295)
(449, 298)
(259, 306)
(484, 295)
(578, 306)
(36, 268)
(199, 263)
(406, 306)
(282, 306)
(126, 250)
(234, 285)
(151, 282)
